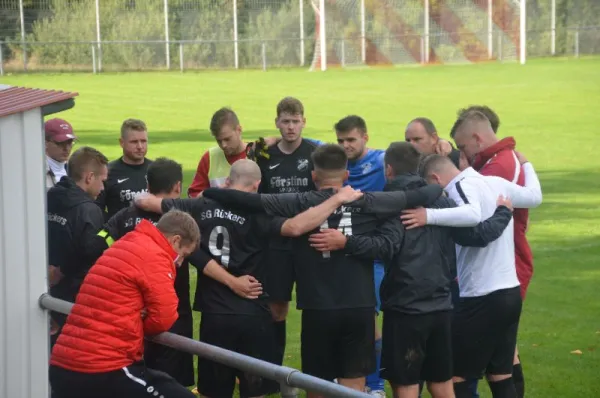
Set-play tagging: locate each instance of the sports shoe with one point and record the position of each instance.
(378, 393)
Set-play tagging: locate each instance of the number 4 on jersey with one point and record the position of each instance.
(345, 227)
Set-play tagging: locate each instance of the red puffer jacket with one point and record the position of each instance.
(500, 160)
(105, 331)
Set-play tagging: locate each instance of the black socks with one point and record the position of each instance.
(503, 388)
(518, 379)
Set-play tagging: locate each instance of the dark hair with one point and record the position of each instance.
(176, 222)
(163, 174)
(426, 123)
(350, 123)
(222, 117)
(132, 124)
(467, 117)
(329, 157)
(487, 111)
(402, 157)
(433, 163)
(290, 105)
(83, 160)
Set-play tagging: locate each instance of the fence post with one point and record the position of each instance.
(577, 42)
(181, 56)
(322, 35)
(167, 52)
(1, 60)
(235, 35)
(22, 17)
(94, 59)
(343, 60)
(553, 27)
(422, 46)
(500, 46)
(490, 30)
(287, 391)
(98, 37)
(523, 32)
(263, 51)
(425, 43)
(363, 40)
(302, 51)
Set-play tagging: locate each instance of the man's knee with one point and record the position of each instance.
(279, 310)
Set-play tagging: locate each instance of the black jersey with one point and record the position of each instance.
(235, 239)
(124, 183)
(124, 222)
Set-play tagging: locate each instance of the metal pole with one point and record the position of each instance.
(422, 50)
(322, 35)
(500, 46)
(425, 45)
(490, 30)
(22, 16)
(287, 392)
(343, 53)
(98, 37)
(577, 43)
(235, 35)
(363, 40)
(302, 54)
(94, 59)
(1, 60)
(523, 35)
(553, 27)
(167, 52)
(263, 50)
(181, 57)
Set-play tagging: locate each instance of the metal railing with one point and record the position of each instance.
(289, 379)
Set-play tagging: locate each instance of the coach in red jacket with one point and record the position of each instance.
(129, 293)
(475, 135)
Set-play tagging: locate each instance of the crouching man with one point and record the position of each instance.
(129, 293)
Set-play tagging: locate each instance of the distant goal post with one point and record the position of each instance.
(403, 32)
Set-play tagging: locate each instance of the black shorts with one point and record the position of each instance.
(135, 381)
(245, 334)
(484, 333)
(416, 347)
(338, 343)
(178, 364)
(280, 276)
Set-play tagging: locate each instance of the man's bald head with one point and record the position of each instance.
(438, 169)
(245, 175)
(472, 133)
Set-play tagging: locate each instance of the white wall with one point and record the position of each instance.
(23, 275)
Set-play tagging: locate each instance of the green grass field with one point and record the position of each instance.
(550, 106)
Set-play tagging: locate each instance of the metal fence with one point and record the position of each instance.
(121, 35)
(288, 378)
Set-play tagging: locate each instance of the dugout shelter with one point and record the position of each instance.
(24, 328)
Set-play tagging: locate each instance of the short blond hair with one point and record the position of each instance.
(176, 222)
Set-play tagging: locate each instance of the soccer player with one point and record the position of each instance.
(127, 295)
(126, 175)
(214, 165)
(475, 135)
(415, 293)
(238, 239)
(486, 321)
(165, 177)
(286, 168)
(422, 134)
(73, 222)
(59, 143)
(336, 293)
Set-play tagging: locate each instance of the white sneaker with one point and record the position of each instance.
(377, 393)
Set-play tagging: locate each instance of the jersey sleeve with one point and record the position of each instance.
(391, 203)
(485, 232)
(200, 182)
(524, 197)
(199, 258)
(383, 244)
(315, 141)
(269, 225)
(467, 214)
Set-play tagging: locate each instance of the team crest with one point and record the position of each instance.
(302, 164)
(366, 167)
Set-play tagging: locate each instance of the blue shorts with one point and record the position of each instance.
(379, 273)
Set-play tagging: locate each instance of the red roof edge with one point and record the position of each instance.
(21, 99)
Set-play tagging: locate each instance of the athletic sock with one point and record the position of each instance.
(280, 338)
(518, 379)
(462, 390)
(503, 388)
(374, 381)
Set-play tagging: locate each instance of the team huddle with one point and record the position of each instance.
(421, 234)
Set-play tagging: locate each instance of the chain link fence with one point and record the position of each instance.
(124, 35)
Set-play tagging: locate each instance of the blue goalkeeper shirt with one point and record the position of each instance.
(368, 173)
